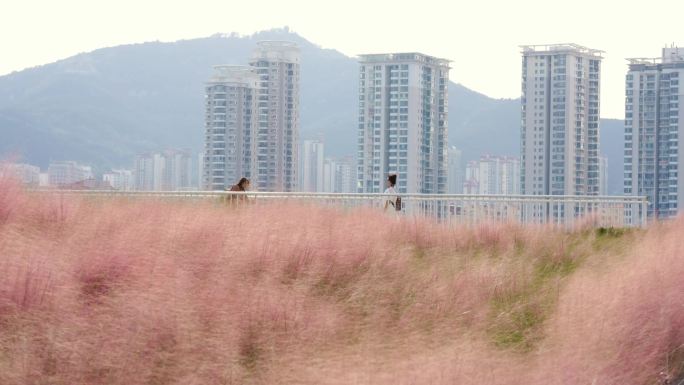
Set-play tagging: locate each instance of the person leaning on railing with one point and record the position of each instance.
(240, 188)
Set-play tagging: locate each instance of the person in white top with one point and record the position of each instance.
(392, 199)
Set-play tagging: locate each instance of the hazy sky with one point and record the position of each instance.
(481, 37)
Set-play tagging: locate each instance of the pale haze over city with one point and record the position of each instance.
(364, 192)
(481, 37)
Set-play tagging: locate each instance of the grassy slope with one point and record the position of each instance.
(127, 292)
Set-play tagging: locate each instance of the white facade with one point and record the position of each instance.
(65, 173)
(455, 176)
(339, 175)
(311, 168)
(603, 175)
(654, 122)
(471, 184)
(492, 175)
(402, 127)
(44, 179)
(121, 180)
(560, 120)
(158, 165)
(177, 170)
(329, 175)
(200, 172)
(277, 64)
(166, 171)
(144, 173)
(510, 176)
(230, 126)
(345, 178)
(489, 173)
(28, 174)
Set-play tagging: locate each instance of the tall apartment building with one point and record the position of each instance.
(230, 124)
(169, 170)
(653, 124)
(277, 115)
(402, 127)
(455, 175)
(64, 173)
(560, 120)
(312, 159)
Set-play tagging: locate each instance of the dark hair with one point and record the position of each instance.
(242, 182)
(392, 178)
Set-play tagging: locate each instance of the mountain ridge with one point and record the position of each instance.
(103, 107)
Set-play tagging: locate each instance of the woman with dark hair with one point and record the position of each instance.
(241, 186)
(392, 201)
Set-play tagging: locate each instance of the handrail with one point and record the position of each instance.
(615, 198)
(562, 210)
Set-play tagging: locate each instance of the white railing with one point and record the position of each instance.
(564, 211)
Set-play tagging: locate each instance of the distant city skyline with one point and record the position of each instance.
(486, 60)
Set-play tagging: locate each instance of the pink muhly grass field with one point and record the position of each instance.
(117, 291)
